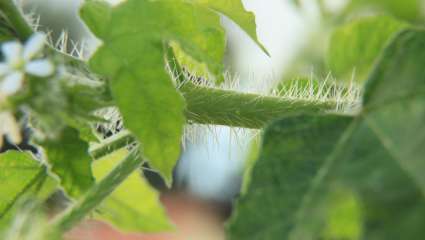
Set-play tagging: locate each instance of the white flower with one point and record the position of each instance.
(9, 128)
(20, 60)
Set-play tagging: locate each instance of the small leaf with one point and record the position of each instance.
(235, 10)
(134, 205)
(70, 162)
(355, 46)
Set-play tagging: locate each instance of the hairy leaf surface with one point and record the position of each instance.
(378, 154)
(134, 205)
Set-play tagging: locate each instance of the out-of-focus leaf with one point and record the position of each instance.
(406, 9)
(18, 172)
(70, 162)
(344, 216)
(284, 182)
(134, 61)
(30, 222)
(21, 176)
(378, 154)
(355, 46)
(134, 205)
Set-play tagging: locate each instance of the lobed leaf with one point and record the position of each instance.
(134, 205)
(377, 154)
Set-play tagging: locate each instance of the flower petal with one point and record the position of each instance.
(12, 52)
(40, 68)
(11, 83)
(4, 69)
(9, 128)
(34, 45)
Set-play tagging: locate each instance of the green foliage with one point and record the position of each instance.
(235, 10)
(69, 160)
(344, 215)
(19, 171)
(30, 222)
(355, 46)
(21, 176)
(377, 154)
(151, 107)
(328, 170)
(138, 210)
(406, 9)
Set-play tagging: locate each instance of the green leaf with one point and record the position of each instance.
(235, 10)
(344, 215)
(30, 222)
(378, 154)
(134, 61)
(21, 176)
(407, 9)
(284, 182)
(134, 205)
(355, 46)
(96, 14)
(18, 172)
(69, 160)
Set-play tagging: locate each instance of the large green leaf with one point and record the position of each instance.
(135, 35)
(69, 160)
(134, 205)
(378, 154)
(355, 46)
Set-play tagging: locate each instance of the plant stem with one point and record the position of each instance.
(210, 105)
(111, 144)
(223, 107)
(246, 110)
(16, 19)
(98, 193)
(205, 106)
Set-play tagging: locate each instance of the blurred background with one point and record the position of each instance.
(209, 173)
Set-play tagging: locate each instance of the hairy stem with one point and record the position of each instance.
(223, 107)
(16, 19)
(246, 110)
(98, 193)
(111, 144)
